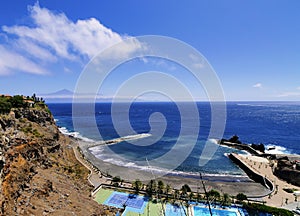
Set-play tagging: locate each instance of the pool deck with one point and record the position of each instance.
(234, 210)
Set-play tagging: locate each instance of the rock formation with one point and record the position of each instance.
(287, 171)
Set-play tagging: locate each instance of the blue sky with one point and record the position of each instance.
(254, 46)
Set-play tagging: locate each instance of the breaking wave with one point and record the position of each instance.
(274, 149)
(77, 135)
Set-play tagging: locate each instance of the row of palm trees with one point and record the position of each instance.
(158, 191)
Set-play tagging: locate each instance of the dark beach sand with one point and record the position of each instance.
(224, 184)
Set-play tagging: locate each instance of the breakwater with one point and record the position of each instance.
(255, 176)
(241, 146)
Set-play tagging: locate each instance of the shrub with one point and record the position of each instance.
(255, 209)
(5, 105)
(241, 197)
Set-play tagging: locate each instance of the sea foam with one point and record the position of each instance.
(77, 135)
(275, 149)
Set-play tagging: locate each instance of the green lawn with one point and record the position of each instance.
(154, 209)
(102, 195)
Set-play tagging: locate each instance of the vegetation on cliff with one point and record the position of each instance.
(19, 101)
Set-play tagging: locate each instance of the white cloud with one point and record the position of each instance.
(298, 88)
(11, 61)
(35, 50)
(257, 85)
(53, 36)
(124, 50)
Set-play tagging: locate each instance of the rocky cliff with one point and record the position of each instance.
(287, 171)
(39, 172)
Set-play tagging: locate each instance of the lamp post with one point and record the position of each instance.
(205, 193)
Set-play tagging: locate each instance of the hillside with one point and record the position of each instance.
(39, 172)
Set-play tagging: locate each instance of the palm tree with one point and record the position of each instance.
(213, 194)
(185, 189)
(116, 180)
(160, 187)
(137, 185)
(151, 187)
(226, 199)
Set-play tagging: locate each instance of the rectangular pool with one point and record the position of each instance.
(203, 211)
(175, 210)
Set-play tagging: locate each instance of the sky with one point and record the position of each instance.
(253, 46)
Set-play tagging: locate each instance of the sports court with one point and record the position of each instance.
(119, 199)
(137, 205)
(133, 202)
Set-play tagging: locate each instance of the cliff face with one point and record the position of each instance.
(39, 172)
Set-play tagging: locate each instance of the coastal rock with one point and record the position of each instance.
(287, 171)
(290, 175)
(235, 139)
(260, 147)
(40, 116)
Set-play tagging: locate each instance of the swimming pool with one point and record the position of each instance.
(175, 210)
(203, 211)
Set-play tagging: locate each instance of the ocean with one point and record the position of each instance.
(275, 124)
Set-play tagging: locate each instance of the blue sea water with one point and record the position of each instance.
(275, 124)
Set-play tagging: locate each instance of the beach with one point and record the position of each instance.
(224, 184)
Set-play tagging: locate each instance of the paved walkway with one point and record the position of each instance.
(279, 197)
(292, 206)
(95, 177)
